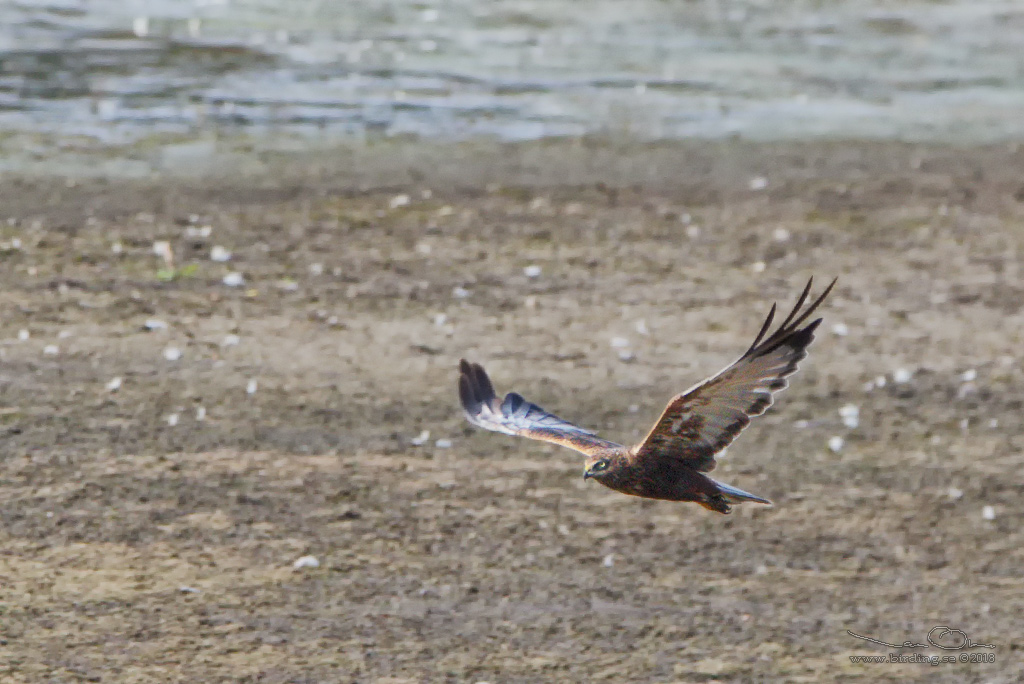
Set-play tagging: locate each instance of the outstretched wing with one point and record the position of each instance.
(706, 418)
(516, 416)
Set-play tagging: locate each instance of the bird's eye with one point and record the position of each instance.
(599, 466)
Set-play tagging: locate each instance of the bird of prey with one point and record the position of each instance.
(671, 461)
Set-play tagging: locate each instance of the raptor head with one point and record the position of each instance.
(598, 466)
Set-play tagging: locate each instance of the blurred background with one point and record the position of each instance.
(169, 82)
(244, 244)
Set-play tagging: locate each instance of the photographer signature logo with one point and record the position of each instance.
(943, 637)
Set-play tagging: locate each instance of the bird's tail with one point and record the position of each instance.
(736, 495)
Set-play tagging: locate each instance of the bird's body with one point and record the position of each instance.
(671, 462)
(668, 479)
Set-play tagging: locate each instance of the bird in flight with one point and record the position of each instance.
(671, 461)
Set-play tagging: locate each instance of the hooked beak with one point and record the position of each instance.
(587, 474)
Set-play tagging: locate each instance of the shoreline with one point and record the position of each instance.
(696, 171)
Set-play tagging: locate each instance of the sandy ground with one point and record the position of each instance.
(137, 550)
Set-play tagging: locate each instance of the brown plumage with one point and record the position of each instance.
(696, 425)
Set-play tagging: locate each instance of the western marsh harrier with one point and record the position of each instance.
(696, 425)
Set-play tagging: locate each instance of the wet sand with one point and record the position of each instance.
(137, 550)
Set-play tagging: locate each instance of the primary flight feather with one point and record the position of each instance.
(696, 425)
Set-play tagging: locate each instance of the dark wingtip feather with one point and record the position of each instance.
(466, 394)
(799, 303)
(474, 386)
(802, 338)
(764, 329)
(789, 332)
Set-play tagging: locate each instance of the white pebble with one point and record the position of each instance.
(836, 443)
(230, 340)
(51, 350)
(693, 232)
(172, 419)
(64, 334)
(162, 248)
(955, 493)
(200, 413)
(850, 415)
(758, 266)
(218, 253)
(420, 439)
(840, 329)
(619, 342)
(443, 444)
(440, 319)
(306, 562)
(114, 384)
(154, 324)
(609, 560)
(423, 248)
(781, 235)
(23, 334)
(184, 589)
(994, 423)
(117, 248)
(198, 231)
(880, 381)
(234, 279)
(758, 183)
(902, 375)
(532, 271)
(988, 513)
(969, 375)
(140, 27)
(460, 293)
(634, 408)
(316, 269)
(641, 327)
(627, 356)
(172, 353)
(251, 386)
(398, 201)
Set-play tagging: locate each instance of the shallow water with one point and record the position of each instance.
(76, 75)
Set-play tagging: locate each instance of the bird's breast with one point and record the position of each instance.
(673, 482)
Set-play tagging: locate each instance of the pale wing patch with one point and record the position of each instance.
(517, 416)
